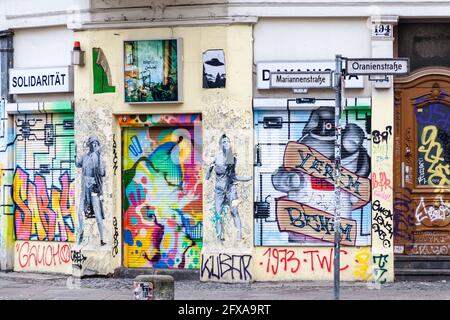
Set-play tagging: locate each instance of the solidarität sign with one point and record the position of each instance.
(41, 80)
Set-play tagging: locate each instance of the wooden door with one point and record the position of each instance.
(422, 165)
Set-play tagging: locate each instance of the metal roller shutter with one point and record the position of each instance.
(162, 185)
(43, 190)
(294, 185)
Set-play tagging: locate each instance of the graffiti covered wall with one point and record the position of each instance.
(382, 186)
(37, 177)
(294, 178)
(422, 207)
(223, 111)
(43, 189)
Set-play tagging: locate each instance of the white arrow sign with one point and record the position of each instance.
(301, 80)
(377, 66)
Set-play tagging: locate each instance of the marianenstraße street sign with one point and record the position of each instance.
(376, 66)
(301, 80)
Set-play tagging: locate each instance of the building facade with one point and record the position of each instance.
(176, 149)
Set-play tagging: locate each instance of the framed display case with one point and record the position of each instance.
(153, 71)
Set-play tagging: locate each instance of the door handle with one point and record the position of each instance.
(405, 174)
(258, 155)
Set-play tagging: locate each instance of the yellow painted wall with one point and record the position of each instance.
(227, 110)
(382, 183)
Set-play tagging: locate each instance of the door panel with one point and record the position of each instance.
(422, 174)
(294, 187)
(162, 185)
(43, 187)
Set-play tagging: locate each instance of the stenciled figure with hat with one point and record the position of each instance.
(91, 197)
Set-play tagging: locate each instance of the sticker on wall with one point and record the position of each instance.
(152, 71)
(91, 196)
(214, 74)
(102, 73)
(225, 189)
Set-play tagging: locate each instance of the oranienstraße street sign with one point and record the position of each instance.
(301, 80)
(377, 66)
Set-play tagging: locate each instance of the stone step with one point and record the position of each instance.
(177, 274)
(421, 262)
(421, 274)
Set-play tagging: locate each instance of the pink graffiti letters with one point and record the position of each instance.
(287, 256)
(278, 260)
(36, 254)
(380, 181)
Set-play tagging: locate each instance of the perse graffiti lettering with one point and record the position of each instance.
(56, 79)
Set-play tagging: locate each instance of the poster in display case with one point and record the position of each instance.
(152, 71)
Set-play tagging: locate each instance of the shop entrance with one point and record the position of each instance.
(162, 191)
(43, 191)
(422, 166)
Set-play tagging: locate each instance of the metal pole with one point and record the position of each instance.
(337, 173)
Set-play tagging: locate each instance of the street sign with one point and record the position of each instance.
(301, 80)
(376, 66)
(263, 70)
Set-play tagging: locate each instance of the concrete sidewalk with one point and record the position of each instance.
(36, 286)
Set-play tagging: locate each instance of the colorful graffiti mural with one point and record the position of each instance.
(41, 215)
(295, 154)
(43, 186)
(162, 183)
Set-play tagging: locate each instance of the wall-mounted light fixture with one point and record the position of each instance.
(77, 54)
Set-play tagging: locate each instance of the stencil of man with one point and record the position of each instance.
(93, 171)
(225, 189)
